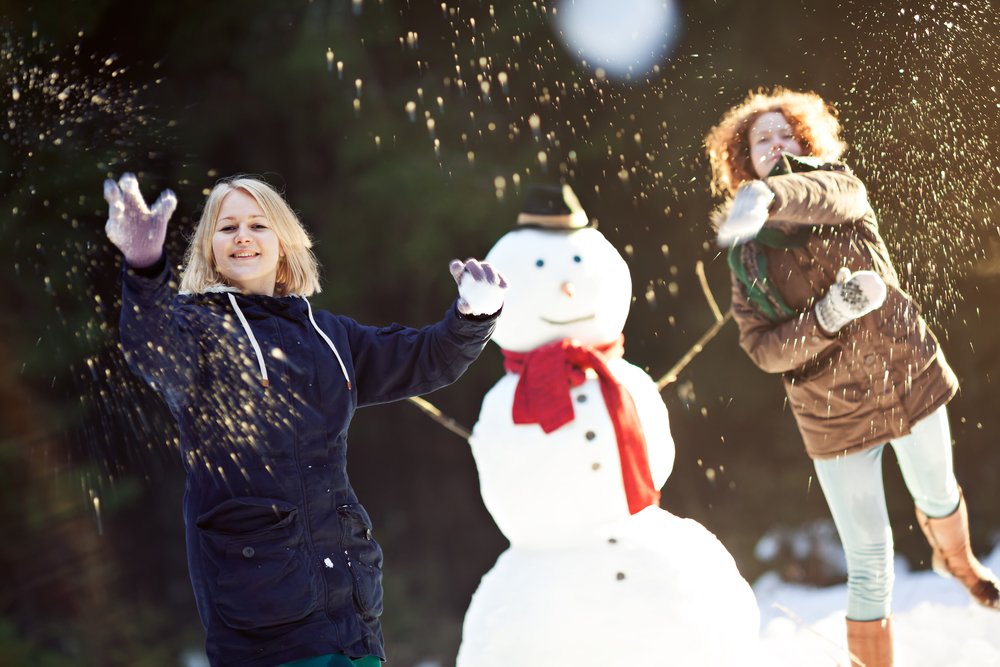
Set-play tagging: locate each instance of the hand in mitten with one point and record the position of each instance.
(136, 230)
(852, 296)
(480, 287)
(747, 214)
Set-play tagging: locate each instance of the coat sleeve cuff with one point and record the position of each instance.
(144, 283)
(154, 270)
(477, 326)
(815, 339)
(478, 318)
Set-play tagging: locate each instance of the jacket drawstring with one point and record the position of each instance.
(329, 342)
(260, 355)
(253, 339)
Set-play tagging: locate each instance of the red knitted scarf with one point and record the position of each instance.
(542, 397)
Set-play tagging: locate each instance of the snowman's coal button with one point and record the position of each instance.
(590, 435)
(620, 576)
(612, 540)
(595, 466)
(582, 398)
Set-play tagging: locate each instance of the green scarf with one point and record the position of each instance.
(756, 286)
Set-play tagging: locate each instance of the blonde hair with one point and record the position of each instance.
(298, 270)
(814, 124)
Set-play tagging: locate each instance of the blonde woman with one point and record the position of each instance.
(817, 300)
(281, 555)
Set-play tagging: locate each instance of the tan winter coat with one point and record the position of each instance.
(880, 374)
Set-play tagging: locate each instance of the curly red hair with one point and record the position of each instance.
(814, 123)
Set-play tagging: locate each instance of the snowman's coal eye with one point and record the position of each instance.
(539, 263)
(577, 259)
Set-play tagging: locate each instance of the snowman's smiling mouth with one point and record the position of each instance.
(573, 321)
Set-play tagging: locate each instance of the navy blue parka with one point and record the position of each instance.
(280, 551)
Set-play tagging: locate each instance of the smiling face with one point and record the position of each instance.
(769, 136)
(245, 247)
(562, 285)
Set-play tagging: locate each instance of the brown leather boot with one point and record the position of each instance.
(870, 642)
(949, 538)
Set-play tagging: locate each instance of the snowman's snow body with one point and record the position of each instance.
(584, 582)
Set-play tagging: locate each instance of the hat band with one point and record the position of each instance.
(575, 220)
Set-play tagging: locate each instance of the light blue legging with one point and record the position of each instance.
(853, 488)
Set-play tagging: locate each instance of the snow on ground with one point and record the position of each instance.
(935, 622)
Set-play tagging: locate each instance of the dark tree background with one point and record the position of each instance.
(404, 133)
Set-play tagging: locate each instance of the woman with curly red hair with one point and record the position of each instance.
(817, 299)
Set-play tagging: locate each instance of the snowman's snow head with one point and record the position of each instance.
(563, 284)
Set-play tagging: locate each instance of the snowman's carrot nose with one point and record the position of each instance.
(568, 289)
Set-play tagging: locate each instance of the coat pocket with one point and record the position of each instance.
(821, 396)
(364, 559)
(264, 576)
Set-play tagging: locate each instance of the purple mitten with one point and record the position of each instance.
(480, 287)
(135, 229)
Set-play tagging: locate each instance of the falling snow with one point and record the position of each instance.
(921, 121)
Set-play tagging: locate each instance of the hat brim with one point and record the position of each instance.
(575, 220)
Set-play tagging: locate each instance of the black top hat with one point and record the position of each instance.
(552, 207)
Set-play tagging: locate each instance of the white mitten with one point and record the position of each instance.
(747, 214)
(137, 230)
(480, 287)
(852, 296)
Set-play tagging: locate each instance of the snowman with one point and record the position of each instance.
(572, 446)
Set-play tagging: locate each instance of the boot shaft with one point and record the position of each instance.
(870, 642)
(952, 554)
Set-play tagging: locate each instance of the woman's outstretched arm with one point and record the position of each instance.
(157, 346)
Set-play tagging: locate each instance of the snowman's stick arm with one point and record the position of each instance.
(720, 320)
(699, 269)
(431, 411)
(671, 375)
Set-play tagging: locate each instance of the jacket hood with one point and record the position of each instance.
(253, 306)
(248, 307)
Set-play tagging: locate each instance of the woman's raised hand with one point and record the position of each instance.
(138, 231)
(747, 215)
(480, 287)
